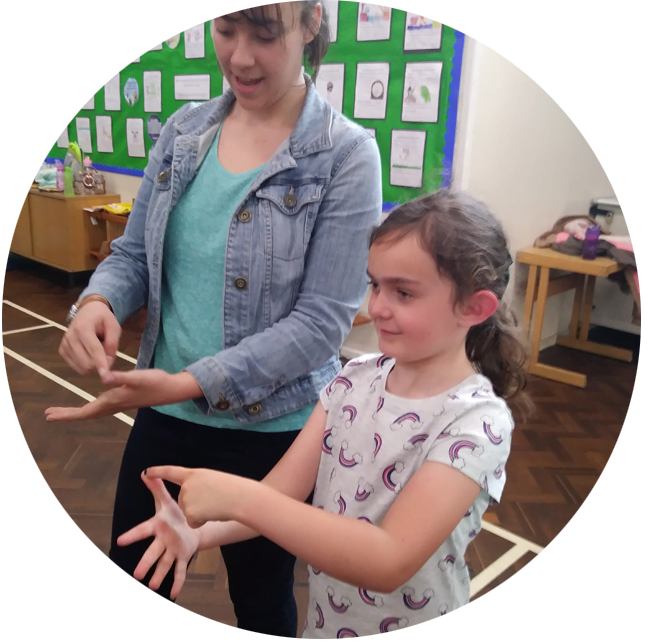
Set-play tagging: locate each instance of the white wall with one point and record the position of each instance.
(125, 186)
(520, 153)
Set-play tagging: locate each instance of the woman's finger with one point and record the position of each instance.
(163, 566)
(155, 550)
(79, 355)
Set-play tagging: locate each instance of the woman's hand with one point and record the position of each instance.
(132, 390)
(174, 542)
(205, 495)
(91, 341)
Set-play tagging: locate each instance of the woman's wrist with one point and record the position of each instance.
(94, 298)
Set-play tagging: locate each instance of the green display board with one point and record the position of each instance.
(353, 21)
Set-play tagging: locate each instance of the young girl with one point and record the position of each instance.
(404, 450)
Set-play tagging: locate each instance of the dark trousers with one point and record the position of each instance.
(260, 573)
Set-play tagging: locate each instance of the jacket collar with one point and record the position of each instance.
(311, 134)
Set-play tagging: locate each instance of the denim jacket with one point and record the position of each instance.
(295, 267)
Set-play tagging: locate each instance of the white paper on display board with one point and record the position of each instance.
(371, 88)
(422, 34)
(407, 157)
(332, 7)
(135, 137)
(192, 87)
(89, 104)
(84, 134)
(370, 131)
(330, 84)
(104, 134)
(225, 84)
(158, 47)
(421, 91)
(63, 140)
(194, 42)
(153, 91)
(373, 22)
(112, 94)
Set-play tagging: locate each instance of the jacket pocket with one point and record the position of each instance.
(286, 208)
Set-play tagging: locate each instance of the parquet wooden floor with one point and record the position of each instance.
(557, 456)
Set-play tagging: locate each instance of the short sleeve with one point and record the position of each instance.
(477, 443)
(347, 380)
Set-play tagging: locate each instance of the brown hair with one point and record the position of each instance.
(316, 49)
(470, 249)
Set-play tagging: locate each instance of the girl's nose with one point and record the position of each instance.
(378, 306)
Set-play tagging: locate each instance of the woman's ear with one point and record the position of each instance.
(314, 24)
(478, 308)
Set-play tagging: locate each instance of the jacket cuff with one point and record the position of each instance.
(218, 393)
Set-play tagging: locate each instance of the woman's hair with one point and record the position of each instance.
(316, 49)
(470, 249)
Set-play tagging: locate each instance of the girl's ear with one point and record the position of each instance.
(478, 308)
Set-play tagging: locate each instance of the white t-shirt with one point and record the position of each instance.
(373, 444)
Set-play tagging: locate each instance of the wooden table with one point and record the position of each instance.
(582, 279)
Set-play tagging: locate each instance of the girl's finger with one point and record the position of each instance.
(155, 550)
(138, 533)
(157, 489)
(180, 576)
(163, 566)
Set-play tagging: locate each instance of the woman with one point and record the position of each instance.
(248, 245)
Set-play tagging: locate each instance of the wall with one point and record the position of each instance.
(519, 152)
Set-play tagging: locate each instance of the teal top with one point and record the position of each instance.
(193, 268)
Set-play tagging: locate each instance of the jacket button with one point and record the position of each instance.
(222, 405)
(240, 283)
(163, 175)
(245, 216)
(290, 200)
(254, 409)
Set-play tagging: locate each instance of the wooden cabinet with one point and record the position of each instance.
(53, 229)
(21, 243)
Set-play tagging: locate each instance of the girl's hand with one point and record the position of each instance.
(175, 542)
(132, 390)
(205, 495)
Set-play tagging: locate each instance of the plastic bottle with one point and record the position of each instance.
(591, 237)
(60, 178)
(69, 182)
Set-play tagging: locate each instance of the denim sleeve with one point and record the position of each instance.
(333, 288)
(122, 278)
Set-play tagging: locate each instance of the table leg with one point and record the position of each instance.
(535, 367)
(530, 299)
(577, 307)
(588, 308)
(542, 294)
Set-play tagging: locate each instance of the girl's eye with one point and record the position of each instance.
(224, 34)
(372, 284)
(403, 294)
(266, 39)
